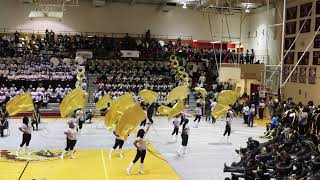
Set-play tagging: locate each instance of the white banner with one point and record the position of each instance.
(132, 54)
(85, 54)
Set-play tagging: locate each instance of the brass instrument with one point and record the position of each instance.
(175, 64)
(181, 70)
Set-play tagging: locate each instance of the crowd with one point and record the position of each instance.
(35, 74)
(40, 94)
(103, 47)
(120, 77)
(293, 150)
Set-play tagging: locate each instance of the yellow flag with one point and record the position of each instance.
(20, 103)
(164, 110)
(130, 119)
(219, 110)
(178, 93)
(176, 109)
(227, 97)
(117, 109)
(76, 99)
(148, 96)
(202, 91)
(103, 102)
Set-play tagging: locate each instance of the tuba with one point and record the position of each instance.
(175, 64)
(181, 70)
(173, 58)
(80, 73)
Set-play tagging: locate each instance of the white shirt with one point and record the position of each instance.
(26, 129)
(245, 110)
(212, 105)
(71, 133)
(198, 111)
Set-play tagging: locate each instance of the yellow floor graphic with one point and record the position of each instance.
(89, 165)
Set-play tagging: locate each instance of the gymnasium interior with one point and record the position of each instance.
(159, 89)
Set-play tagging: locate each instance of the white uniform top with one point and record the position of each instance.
(198, 111)
(71, 133)
(176, 122)
(72, 120)
(26, 129)
(245, 110)
(186, 130)
(212, 105)
(142, 145)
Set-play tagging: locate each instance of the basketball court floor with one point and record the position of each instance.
(206, 153)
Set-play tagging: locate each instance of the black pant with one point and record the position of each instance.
(198, 117)
(150, 118)
(35, 123)
(80, 124)
(141, 155)
(245, 118)
(25, 139)
(227, 130)
(185, 138)
(261, 110)
(119, 143)
(70, 144)
(175, 131)
(1, 131)
(143, 123)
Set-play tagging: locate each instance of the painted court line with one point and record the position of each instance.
(104, 166)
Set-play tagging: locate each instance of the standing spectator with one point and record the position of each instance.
(247, 57)
(252, 56)
(251, 115)
(261, 109)
(245, 112)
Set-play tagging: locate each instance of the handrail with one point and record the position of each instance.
(100, 34)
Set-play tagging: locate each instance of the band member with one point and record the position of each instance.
(184, 137)
(35, 118)
(118, 143)
(71, 134)
(141, 145)
(26, 137)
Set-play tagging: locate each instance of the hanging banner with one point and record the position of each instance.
(128, 54)
(294, 75)
(305, 58)
(306, 27)
(292, 13)
(286, 72)
(302, 74)
(289, 59)
(291, 27)
(312, 75)
(316, 58)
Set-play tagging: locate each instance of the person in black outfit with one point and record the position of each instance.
(150, 112)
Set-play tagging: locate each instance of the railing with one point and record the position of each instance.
(100, 34)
